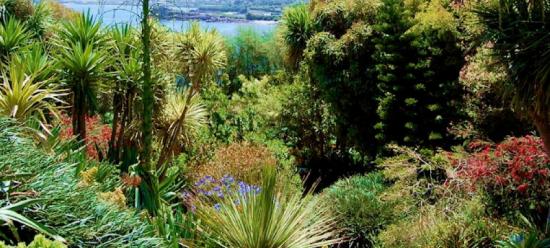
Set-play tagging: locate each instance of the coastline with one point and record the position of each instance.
(208, 17)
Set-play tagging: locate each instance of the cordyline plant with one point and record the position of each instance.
(268, 219)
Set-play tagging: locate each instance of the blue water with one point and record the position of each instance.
(118, 14)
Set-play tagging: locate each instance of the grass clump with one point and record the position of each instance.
(268, 218)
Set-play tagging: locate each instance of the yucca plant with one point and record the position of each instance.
(82, 63)
(203, 55)
(9, 215)
(181, 121)
(297, 29)
(38, 22)
(13, 36)
(269, 219)
(126, 76)
(35, 62)
(22, 97)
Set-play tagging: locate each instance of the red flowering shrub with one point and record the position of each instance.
(98, 135)
(514, 174)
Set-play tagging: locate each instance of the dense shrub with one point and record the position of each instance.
(514, 174)
(481, 77)
(20, 9)
(357, 201)
(455, 223)
(418, 60)
(389, 71)
(244, 161)
(427, 212)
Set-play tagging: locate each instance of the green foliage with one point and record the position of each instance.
(81, 62)
(481, 77)
(13, 36)
(457, 222)
(418, 60)
(269, 219)
(39, 242)
(35, 62)
(297, 29)
(249, 55)
(519, 31)
(39, 22)
(22, 97)
(73, 211)
(389, 71)
(430, 213)
(8, 215)
(357, 201)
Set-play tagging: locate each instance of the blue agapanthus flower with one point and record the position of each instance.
(208, 189)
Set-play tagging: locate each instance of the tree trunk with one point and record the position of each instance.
(542, 122)
(79, 116)
(113, 148)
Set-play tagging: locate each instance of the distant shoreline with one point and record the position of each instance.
(199, 16)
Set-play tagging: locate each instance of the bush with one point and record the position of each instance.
(20, 9)
(98, 135)
(430, 213)
(513, 174)
(481, 77)
(357, 201)
(457, 222)
(244, 161)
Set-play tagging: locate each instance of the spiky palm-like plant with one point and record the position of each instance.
(82, 62)
(125, 81)
(297, 29)
(181, 121)
(519, 30)
(203, 55)
(34, 61)
(39, 21)
(22, 97)
(270, 219)
(13, 36)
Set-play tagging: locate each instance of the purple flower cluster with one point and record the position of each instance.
(208, 189)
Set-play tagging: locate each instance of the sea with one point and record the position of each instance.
(113, 14)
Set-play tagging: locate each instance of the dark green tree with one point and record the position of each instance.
(417, 65)
(339, 60)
